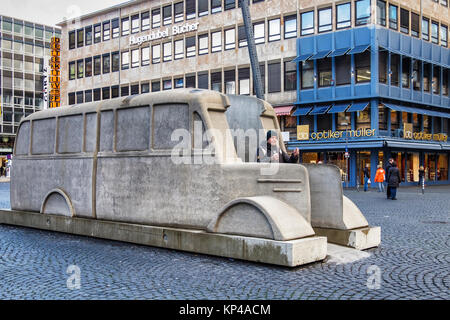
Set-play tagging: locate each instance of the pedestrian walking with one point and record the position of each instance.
(421, 175)
(388, 166)
(380, 176)
(366, 172)
(393, 179)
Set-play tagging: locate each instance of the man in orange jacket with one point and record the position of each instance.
(379, 178)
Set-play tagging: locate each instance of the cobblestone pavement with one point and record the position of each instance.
(413, 262)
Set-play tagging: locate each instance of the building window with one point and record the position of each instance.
(167, 84)
(97, 33)
(426, 76)
(203, 43)
(106, 63)
(156, 86)
(444, 35)
(290, 27)
(97, 65)
(80, 96)
(145, 54)
(145, 87)
(230, 81)
(179, 49)
(88, 35)
(230, 4)
(343, 69)
(71, 99)
(382, 66)
(445, 82)
(190, 81)
(262, 70)
(393, 17)
(216, 41)
(216, 81)
(115, 28)
(80, 38)
(156, 54)
(404, 20)
(362, 67)
(324, 71)
(135, 58)
(106, 93)
(167, 51)
(324, 19)
(434, 32)
(406, 73)
(135, 23)
(97, 95)
(190, 47)
(80, 69)
(202, 7)
(275, 29)
(190, 9)
(71, 39)
(178, 11)
(394, 69)
(88, 96)
(381, 13)
(363, 119)
(290, 76)
(274, 74)
(242, 36)
(362, 12)
(88, 67)
(307, 74)
(114, 92)
(71, 70)
(230, 39)
(436, 79)
(115, 57)
(134, 89)
(125, 60)
(216, 6)
(145, 21)
(307, 23)
(259, 32)
(178, 83)
(156, 18)
(425, 29)
(203, 81)
(415, 18)
(244, 81)
(124, 91)
(167, 15)
(417, 74)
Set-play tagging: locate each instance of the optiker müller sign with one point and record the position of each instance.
(164, 33)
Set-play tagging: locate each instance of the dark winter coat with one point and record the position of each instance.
(393, 177)
(366, 172)
(265, 153)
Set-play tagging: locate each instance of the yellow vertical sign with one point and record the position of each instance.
(55, 73)
(407, 130)
(303, 132)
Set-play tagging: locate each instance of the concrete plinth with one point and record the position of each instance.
(285, 253)
(361, 239)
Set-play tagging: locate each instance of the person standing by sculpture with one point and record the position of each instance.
(393, 179)
(388, 167)
(366, 172)
(379, 178)
(270, 151)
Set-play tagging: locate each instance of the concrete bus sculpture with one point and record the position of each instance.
(108, 169)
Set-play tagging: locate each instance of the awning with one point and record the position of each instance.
(302, 57)
(320, 110)
(359, 49)
(283, 111)
(320, 55)
(412, 145)
(426, 112)
(445, 146)
(337, 145)
(360, 106)
(339, 52)
(339, 108)
(302, 111)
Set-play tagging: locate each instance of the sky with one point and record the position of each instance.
(51, 12)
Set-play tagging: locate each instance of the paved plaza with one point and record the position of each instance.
(413, 262)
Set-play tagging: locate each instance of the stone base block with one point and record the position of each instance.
(361, 239)
(284, 253)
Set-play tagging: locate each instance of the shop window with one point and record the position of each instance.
(381, 13)
(71, 70)
(156, 54)
(88, 35)
(307, 76)
(393, 17)
(415, 18)
(80, 69)
(442, 168)
(444, 35)
(445, 90)
(156, 18)
(362, 12)
(202, 7)
(230, 81)
(417, 75)
(203, 81)
(229, 4)
(216, 6)
(290, 26)
(363, 119)
(436, 78)
(203, 43)
(434, 32)
(382, 66)
(167, 51)
(106, 31)
(145, 56)
(97, 65)
(426, 76)
(406, 72)
(216, 41)
(190, 47)
(244, 81)
(135, 23)
(290, 76)
(325, 19)
(97, 33)
(216, 81)
(324, 71)
(190, 9)
(274, 73)
(343, 15)
(307, 23)
(362, 67)
(425, 29)
(258, 32)
(274, 29)
(145, 21)
(71, 39)
(242, 37)
(80, 38)
(394, 69)
(125, 60)
(167, 15)
(382, 117)
(178, 9)
(179, 49)
(404, 20)
(106, 63)
(230, 39)
(430, 167)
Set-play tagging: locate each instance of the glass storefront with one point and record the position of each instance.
(399, 158)
(442, 169)
(430, 167)
(338, 159)
(362, 158)
(412, 167)
(313, 157)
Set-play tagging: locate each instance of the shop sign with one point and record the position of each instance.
(163, 33)
(303, 132)
(55, 73)
(364, 132)
(408, 133)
